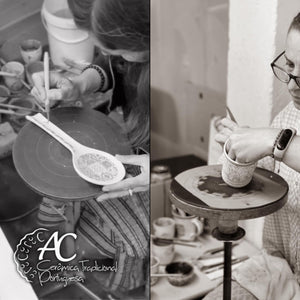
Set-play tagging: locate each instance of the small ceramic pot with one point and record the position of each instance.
(185, 269)
(20, 120)
(163, 250)
(14, 83)
(4, 93)
(164, 227)
(236, 174)
(33, 67)
(31, 50)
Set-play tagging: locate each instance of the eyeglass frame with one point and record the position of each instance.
(291, 76)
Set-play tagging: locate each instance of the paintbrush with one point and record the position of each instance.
(17, 107)
(2, 73)
(166, 274)
(8, 74)
(231, 116)
(38, 105)
(221, 265)
(176, 241)
(10, 112)
(46, 79)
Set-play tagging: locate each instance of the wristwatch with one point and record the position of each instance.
(283, 142)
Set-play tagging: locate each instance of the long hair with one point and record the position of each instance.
(295, 24)
(81, 11)
(123, 25)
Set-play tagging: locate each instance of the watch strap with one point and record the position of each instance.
(283, 142)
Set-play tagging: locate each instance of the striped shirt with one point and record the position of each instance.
(118, 228)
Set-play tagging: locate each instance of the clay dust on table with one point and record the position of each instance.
(97, 167)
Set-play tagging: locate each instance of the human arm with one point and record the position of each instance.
(252, 144)
(66, 88)
(134, 184)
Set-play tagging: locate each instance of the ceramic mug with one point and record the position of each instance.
(31, 68)
(14, 83)
(164, 227)
(236, 174)
(188, 227)
(31, 50)
(163, 250)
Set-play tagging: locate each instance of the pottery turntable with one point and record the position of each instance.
(202, 192)
(46, 165)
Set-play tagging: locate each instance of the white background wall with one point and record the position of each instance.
(188, 73)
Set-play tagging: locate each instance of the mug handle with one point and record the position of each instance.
(199, 226)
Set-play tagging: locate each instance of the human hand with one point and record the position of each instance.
(249, 144)
(225, 128)
(129, 185)
(61, 88)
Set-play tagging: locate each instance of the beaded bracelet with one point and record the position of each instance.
(276, 141)
(102, 74)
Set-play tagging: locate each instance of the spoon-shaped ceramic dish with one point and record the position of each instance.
(93, 165)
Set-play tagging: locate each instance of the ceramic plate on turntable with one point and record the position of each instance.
(204, 186)
(46, 165)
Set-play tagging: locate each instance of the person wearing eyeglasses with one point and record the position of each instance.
(277, 149)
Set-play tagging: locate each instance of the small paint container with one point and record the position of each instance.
(14, 83)
(27, 102)
(31, 50)
(236, 174)
(184, 270)
(163, 249)
(31, 68)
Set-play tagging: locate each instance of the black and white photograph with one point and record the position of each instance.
(224, 150)
(75, 149)
(149, 150)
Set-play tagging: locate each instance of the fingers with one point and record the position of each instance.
(55, 94)
(122, 193)
(218, 125)
(225, 129)
(231, 153)
(132, 184)
(229, 123)
(137, 160)
(39, 86)
(235, 151)
(140, 180)
(223, 135)
(112, 195)
(56, 80)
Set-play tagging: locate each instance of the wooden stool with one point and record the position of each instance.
(202, 192)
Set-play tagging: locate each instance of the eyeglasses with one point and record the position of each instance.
(281, 74)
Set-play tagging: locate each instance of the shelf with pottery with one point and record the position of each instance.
(201, 283)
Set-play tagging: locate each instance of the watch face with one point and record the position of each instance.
(284, 139)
